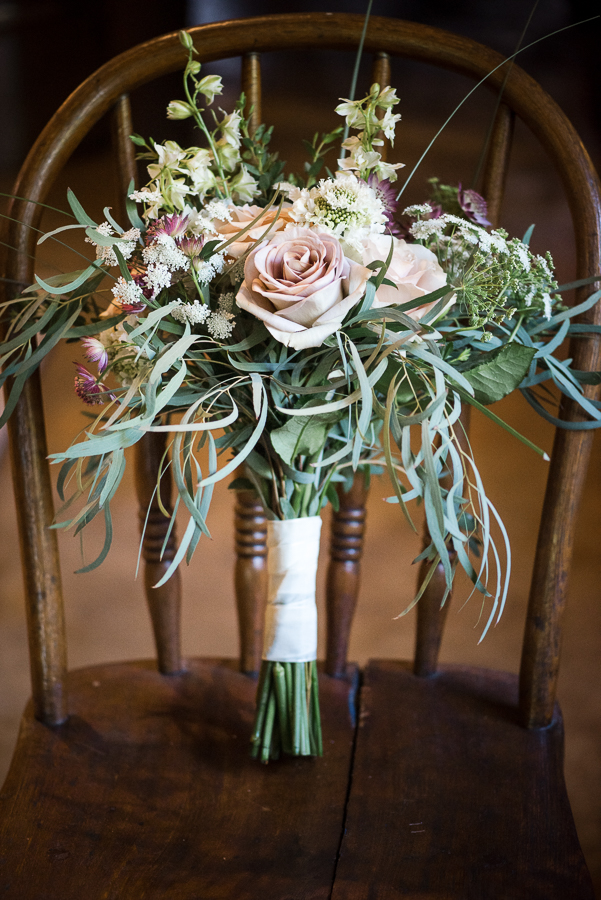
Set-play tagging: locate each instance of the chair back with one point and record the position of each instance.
(107, 92)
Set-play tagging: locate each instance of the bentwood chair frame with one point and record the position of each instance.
(107, 92)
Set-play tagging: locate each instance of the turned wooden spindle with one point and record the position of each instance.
(380, 73)
(431, 612)
(164, 602)
(497, 162)
(251, 85)
(250, 577)
(342, 586)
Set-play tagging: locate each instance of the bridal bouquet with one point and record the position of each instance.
(306, 328)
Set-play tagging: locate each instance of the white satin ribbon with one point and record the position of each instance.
(291, 615)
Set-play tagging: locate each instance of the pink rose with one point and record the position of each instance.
(301, 285)
(243, 216)
(413, 269)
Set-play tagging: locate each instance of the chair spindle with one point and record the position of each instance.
(250, 577)
(251, 85)
(497, 161)
(342, 586)
(124, 151)
(380, 73)
(39, 555)
(164, 603)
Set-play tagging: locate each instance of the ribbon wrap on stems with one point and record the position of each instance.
(287, 717)
(291, 614)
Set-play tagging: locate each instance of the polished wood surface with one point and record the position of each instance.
(251, 85)
(250, 577)
(158, 796)
(158, 549)
(344, 570)
(450, 795)
(497, 162)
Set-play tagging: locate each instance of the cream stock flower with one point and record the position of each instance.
(414, 270)
(301, 285)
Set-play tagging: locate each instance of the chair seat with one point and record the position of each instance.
(157, 796)
(451, 797)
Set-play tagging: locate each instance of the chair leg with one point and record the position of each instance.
(431, 618)
(342, 590)
(250, 578)
(164, 603)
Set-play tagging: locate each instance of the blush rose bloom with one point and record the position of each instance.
(243, 216)
(413, 269)
(301, 285)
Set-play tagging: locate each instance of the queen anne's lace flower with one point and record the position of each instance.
(220, 325)
(128, 296)
(195, 313)
(126, 243)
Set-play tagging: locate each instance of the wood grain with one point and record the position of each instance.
(250, 577)
(452, 798)
(158, 795)
(158, 550)
(251, 85)
(497, 162)
(344, 571)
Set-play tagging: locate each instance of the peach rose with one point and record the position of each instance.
(301, 285)
(413, 269)
(243, 216)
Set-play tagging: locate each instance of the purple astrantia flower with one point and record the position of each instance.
(88, 389)
(174, 226)
(191, 246)
(474, 206)
(95, 351)
(387, 195)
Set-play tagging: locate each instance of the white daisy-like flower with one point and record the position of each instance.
(195, 313)
(344, 207)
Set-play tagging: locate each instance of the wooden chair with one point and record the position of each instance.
(130, 782)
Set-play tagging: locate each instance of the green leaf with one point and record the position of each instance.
(500, 373)
(303, 436)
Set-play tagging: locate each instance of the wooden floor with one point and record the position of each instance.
(107, 620)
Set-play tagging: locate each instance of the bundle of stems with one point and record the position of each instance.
(287, 718)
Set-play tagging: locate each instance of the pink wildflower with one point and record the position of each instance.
(387, 195)
(95, 351)
(174, 226)
(191, 246)
(90, 390)
(473, 205)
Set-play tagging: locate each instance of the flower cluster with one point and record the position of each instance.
(371, 117)
(494, 277)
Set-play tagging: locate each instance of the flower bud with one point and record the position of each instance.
(193, 67)
(186, 40)
(178, 109)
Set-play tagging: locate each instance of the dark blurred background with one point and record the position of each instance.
(46, 50)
